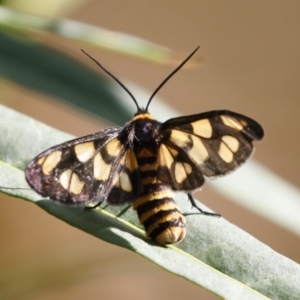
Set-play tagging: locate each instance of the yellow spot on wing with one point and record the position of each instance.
(202, 128)
(84, 151)
(225, 153)
(125, 182)
(187, 168)
(113, 147)
(198, 153)
(41, 160)
(165, 158)
(179, 138)
(101, 168)
(51, 161)
(131, 163)
(65, 178)
(180, 174)
(231, 142)
(70, 181)
(76, 184)
(122, 160)
(173, 151)
(232, 122)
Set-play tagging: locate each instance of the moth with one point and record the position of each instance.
(145, 161)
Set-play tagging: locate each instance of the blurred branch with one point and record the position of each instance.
(53, 8)
(106, 39)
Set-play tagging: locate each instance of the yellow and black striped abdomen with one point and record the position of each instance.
(156, 207)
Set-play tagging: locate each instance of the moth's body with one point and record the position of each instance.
(155, 205)
(144, 162)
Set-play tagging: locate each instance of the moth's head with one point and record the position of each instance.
(141, 111)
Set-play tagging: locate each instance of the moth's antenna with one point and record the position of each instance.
(162, 84)
(114, 77)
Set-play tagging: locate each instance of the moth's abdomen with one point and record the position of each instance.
(160, 215)
(155, 206)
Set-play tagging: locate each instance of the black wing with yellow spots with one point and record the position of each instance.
(183, 150)
(207, 144)
(86, 170)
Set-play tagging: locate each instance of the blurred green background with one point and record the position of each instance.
(248, 62)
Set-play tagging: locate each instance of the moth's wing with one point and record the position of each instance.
(126, 182)
(208, 144)
(85, 170)
(176, 169)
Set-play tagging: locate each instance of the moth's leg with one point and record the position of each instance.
(96, 205)
(194, 204)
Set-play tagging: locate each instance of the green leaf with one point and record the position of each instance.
(51, 72)
(215, 254)
(124, 43)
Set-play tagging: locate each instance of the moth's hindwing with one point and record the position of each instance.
(86, 170)
(210, 144)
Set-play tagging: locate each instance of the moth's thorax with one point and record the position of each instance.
(146, 131)
(143, 115)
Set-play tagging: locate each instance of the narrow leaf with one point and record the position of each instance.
(215, 254)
